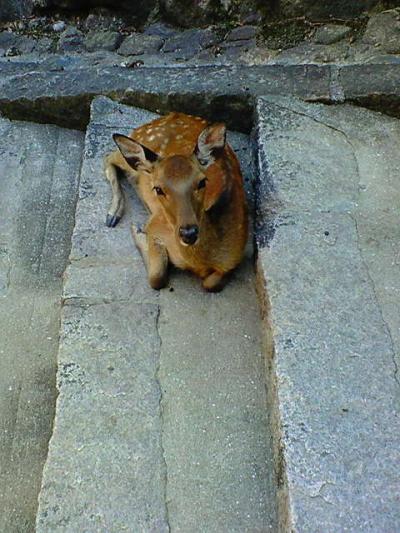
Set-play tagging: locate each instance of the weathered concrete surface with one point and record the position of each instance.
(161, 418)
(59, 89)
(216, 434)
(328, 237)
(39, 169)
(63, 94)
(105, 469)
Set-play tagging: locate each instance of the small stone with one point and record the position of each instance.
(242, 33)
(71, 40)
(331, 33)
(191, 40)
(59, 26)
(137, 44)
(36, 23)
(15, 44)
(45, 45)
(248, 43)
(12, 52)
(383, 31)
(103, 22)
(102, 40)
(252, 18)
(257, 56)
(7, 39)
(133, 63)
(159, 29)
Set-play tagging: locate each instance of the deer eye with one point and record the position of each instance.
(202, 184)
(159, 191)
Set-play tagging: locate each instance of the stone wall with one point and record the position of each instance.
(191, 13)
(317, 10)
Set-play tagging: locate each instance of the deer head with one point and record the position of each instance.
(182, 183)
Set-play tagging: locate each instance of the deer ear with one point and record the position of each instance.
(136, 155)
(211, 141)
(218, 192)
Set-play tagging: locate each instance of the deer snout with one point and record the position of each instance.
(189, 234)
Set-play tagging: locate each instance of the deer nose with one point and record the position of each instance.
(189, 234)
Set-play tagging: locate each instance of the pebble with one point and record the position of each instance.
(59, 26)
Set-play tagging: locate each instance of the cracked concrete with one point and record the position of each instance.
(328, 211)
(39, 169)
(105, 470)
(158, 426)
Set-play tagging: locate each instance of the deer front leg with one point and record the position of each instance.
(215, 282)
(154, 255)
(116, 210)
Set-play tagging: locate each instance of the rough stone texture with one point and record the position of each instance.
(321, 10)
(159, 29)
(311, 53)
(103, 21)
(242, 33)
(59, 89)
(139, 8)
(20, 43)
(257, 56)
(216, 433)
(116, 462)
(331, 33)
(191, 40)
(137, 44)
(71, 40)
(383, 31)
(105, 469)
(62, 92)
(328, 255)
(188, 13)
(102, 40)
(39, 168)
(15, 9)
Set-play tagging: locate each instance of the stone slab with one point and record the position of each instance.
(161, 420)
(105, 470)
(215, 424)
(62, 94)
(328, 262)
(39, 168)
(59, 89)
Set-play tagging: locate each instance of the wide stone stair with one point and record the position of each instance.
(272, 406)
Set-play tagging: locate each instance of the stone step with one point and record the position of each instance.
(58, 89)
(328, 238)
(39, 174)
(161, 420)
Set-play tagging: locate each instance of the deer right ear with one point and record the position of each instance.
(137, 156)
(211, 141)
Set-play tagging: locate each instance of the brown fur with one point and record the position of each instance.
(174, 155)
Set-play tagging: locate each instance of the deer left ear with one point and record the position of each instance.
(136, 155)
(211, 141)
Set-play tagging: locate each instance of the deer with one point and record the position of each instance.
(189, 179)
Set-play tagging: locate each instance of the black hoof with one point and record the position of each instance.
(112, 221)
(139, 228)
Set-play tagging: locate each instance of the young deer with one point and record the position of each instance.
(189, 179)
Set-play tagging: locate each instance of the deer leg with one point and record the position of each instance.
(154, 255)
(215, 282)
(117, 206)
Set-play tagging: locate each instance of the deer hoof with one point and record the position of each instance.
(112, 220)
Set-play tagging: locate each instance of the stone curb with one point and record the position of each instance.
(327, 246)
(60, 91)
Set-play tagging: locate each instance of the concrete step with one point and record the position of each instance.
(39, 169)
(161, 420)
(328, 238)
